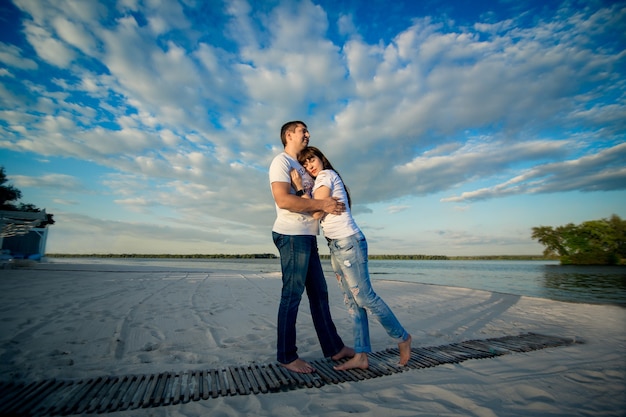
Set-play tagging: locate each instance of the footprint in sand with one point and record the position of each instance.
(149, 347)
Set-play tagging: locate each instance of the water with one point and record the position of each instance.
(543, 279)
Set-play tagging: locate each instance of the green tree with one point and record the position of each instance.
(9, 194)
(597, 242)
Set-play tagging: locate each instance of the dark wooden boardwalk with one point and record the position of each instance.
(117, 393)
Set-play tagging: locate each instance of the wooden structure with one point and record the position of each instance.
(118, 393)
(20, 235)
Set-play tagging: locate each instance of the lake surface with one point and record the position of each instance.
(543, 279)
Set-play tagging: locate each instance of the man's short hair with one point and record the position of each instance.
(289, 127)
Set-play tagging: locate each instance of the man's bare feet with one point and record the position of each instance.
(300, 366)
(359, 361)
(345, 352)
(405, 351)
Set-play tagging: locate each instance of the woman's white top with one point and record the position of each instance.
(336, 226)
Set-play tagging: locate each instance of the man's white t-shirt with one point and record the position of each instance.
(289, 222)
(336, 226)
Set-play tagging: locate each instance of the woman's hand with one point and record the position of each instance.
(296, 179)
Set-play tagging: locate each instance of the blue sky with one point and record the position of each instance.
(149, 126)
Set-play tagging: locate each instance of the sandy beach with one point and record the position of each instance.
(78, 320)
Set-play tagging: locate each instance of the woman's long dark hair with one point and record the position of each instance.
(311, 151)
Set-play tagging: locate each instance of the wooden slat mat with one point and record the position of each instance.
(117, 393)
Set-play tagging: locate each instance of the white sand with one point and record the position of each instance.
(81, 320)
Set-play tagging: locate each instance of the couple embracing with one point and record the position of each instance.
(309, 193)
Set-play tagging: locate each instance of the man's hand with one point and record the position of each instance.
(332, 205)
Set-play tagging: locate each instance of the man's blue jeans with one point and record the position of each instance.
(301, 269)
(349, 260)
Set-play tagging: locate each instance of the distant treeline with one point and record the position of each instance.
(400, 257)
(456, 258)
(165, 256)
(322, 256)
(504, 258)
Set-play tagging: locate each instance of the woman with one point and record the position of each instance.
(348, 254)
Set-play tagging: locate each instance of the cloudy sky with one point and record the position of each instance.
(148, 126)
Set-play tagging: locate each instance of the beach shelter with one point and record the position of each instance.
(20, 235)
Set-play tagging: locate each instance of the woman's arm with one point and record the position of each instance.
(320, 194)
(285, 200)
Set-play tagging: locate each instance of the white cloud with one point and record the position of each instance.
(58, 182)
(603, 171)
(48, 48)
(396, 209)
(74, 34)
(11, 55)
(139, 237)
(190, 117)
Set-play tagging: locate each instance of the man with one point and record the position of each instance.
(294, 233)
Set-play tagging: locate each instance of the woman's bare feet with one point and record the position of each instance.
(405, 351)
(359, 361)
(300, 366)
(345, 352)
